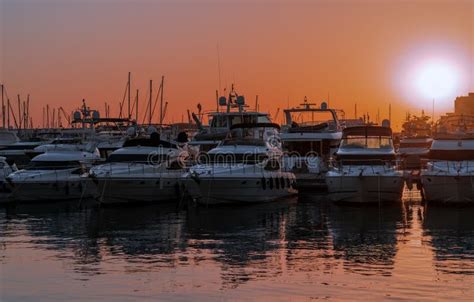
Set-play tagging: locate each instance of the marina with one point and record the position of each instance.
(157, 150)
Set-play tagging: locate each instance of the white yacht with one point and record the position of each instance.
(54, 176)
(243, 168)
(17, 153)
(8, 137)
(62, 144)
(366, 170)
(143, 170)
(233, 111)
(448, 177)
(415, 141)
(310, 137)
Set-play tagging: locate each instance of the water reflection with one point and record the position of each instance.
(451, 230)
(366, 237)
(298, 246)
(243, 239)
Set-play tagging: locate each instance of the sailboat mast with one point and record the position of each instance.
(3, 107)
(129, 86)
(136, 109)
(149, 102)
(161, 99)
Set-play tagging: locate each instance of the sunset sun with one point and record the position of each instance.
(435, 80)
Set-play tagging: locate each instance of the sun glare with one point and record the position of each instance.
(436, 80)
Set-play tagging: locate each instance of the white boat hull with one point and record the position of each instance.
(445, 188)
(365, 188)
(46, 191)
(136, 190)
(210, 191)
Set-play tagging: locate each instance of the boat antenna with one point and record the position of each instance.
(128, 91)
(390, 113)
(219, 68)
(3, 107)
(161, 99)
(149, 103)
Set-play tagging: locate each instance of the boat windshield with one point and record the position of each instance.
(246, 137)
(363, 142)
(222, 121)
(53, 165)
(312, 118)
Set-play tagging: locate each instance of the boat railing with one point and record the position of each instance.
(455, 166)
(143, 168)
(353, 165)
(55, 175)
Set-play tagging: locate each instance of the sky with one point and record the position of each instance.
(369, 53)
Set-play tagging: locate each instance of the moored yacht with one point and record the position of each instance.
(143, 170)
(244, 168)
(233, 111)
(366, 170)
(311, 135)
(415, 141)
(54, 176)
(62, 144)
(449, 174)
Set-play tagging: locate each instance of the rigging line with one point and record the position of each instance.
(146, 109)
(156, 100)
(123, 100)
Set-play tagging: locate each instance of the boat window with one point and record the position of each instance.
(264, 119)
(244, 136)
(219, 122)
(136, 158)
(53, 165)
(312, 118)
(415, 145)
(362, 142)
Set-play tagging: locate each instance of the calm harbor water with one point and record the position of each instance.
(307, 249)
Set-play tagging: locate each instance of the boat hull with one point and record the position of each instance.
(365, 188)
(211, 191)
(46, 191)
(137, 190)
(448, 189)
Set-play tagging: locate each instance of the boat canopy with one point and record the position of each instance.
(366, 131)
(153, 141)
(255, 125)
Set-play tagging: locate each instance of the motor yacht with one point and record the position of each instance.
(54, 176)
(365, 170)
(449, 174)
(232, 111)
(310, 136)
(244, 168)
(8, 137)
(143, 170)
(415, 141)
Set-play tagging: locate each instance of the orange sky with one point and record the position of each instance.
(357, 51)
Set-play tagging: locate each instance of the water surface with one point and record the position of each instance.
(305, 249)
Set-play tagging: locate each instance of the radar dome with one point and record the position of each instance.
(240, 100)
(77, 116)
(222, 101)
(151, 130)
